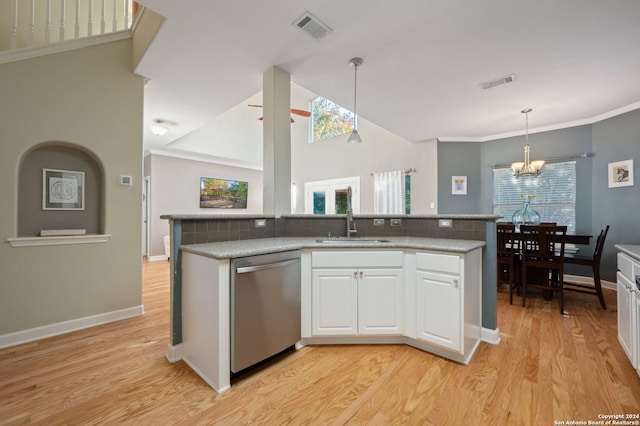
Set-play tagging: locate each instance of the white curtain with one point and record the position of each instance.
(388, 192)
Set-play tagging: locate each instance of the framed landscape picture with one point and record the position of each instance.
(62, 190)
(621, 174)
(223, 193)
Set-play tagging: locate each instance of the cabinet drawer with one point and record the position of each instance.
(438, 262)
(625, 265)
(357, 259)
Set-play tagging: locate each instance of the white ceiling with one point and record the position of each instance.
(423, 61)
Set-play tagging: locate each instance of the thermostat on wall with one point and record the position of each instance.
(126, 180)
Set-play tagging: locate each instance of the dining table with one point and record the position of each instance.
(574, 239)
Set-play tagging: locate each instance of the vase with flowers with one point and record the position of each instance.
(526, 215)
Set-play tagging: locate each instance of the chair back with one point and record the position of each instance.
(543, 242)
(506, 243)
(597, 251)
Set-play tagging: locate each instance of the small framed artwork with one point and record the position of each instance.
(621, 174)
(62, 190)
(459, 185)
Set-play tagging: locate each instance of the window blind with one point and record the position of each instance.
(553, 192)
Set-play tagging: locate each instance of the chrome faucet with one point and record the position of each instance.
(351, 225)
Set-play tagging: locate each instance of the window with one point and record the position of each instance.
(330, 196)
(407, 193)
(554, 192)
(328, 119)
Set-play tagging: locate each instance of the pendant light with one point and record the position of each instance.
(527, 168)
(355, 137)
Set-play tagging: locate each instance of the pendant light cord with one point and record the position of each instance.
(355, 91)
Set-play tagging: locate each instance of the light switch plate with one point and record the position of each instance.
(125, 180)
(445, 223)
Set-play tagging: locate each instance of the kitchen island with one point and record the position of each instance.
(424, 292)
(628, 295)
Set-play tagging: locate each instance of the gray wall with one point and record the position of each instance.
(459, 159)
(610, 140)
(70, 97)
(616, 139)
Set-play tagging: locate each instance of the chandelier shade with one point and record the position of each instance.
(527, 167)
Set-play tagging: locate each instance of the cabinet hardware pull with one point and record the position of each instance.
(455, 283)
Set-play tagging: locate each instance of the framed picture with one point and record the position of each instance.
(459, 185)
(223, 193)
(621, 174)
(62, 190)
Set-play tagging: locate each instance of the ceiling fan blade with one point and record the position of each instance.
(300, 112)
(293, 110)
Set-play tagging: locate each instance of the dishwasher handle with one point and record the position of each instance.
(246, 269)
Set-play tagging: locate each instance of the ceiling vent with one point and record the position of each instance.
(498, 81)
(312, 25)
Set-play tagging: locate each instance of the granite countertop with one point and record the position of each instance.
(243, 248)
(330, 216)
(631, 250)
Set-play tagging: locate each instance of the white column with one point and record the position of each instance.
(103, 18)
(276, 142)
(115, 16)
(126, 14)
(32, 23)
(76, 31)
(90, 24)
(62, 17)
(13, 42)
(47, 24)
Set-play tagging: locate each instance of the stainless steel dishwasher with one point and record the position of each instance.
(265, 307)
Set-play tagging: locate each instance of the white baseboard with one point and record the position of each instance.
(589, 280)
(37, 333)
(174, 352)
(156, 258)
(490, 336)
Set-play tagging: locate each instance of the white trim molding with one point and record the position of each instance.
(174, 352)
(491, 336)
(56, 241)
(50, 330)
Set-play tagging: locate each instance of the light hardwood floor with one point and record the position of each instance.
(547, 368)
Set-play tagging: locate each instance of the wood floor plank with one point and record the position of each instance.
(547, 367)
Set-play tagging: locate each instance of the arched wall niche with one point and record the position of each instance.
(32, 217)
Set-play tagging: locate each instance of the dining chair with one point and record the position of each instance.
(508, 248)
(593, 262)
(542, 260)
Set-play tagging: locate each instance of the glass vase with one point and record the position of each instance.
(525, 216)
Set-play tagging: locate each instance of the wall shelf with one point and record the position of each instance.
(55, 241)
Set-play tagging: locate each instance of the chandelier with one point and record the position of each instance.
(527, 168)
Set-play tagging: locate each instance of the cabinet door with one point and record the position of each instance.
(334, 303)
(625, 319)
(380, 301)
(439, 309)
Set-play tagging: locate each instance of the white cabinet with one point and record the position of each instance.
(334, 306)
(438, 310)
(448, 301)
(629, 308)
(355, 292)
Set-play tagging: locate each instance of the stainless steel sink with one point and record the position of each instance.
(352, 240)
